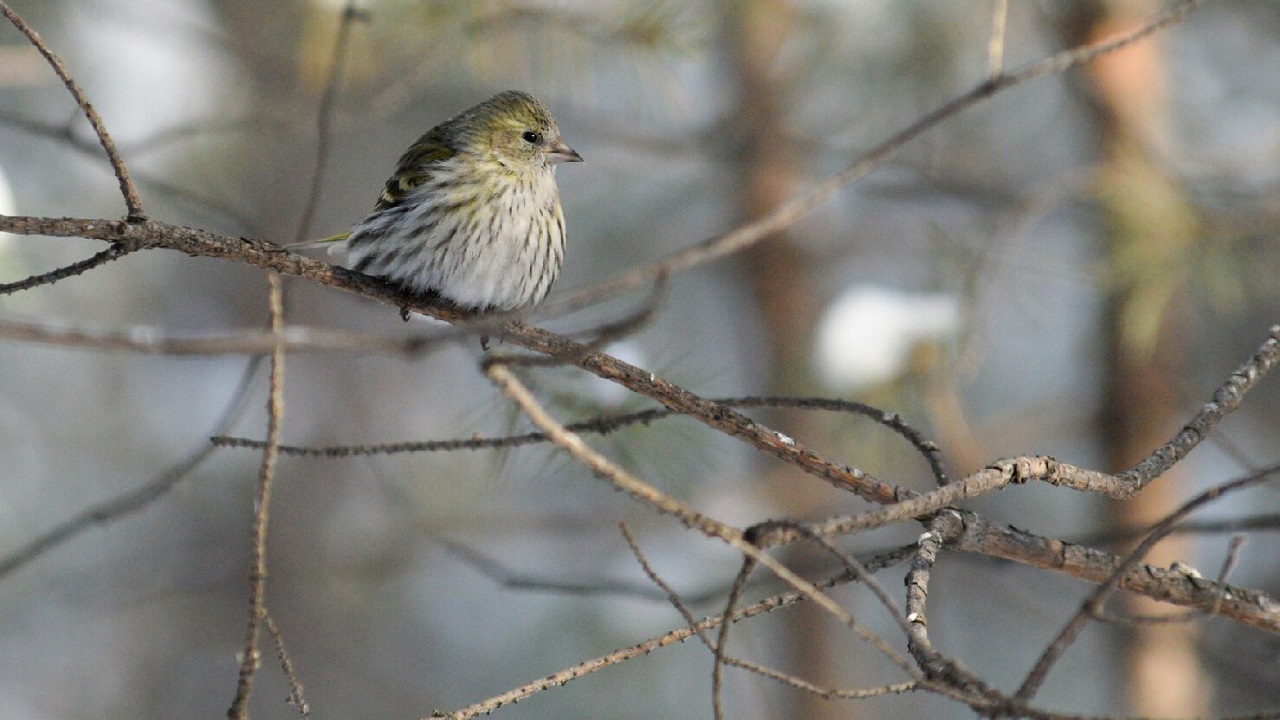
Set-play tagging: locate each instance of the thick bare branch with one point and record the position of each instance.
(1252, 608)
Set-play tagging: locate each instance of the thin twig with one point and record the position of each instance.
(713, 414)
(506, 381)
(131, 200)
(998, 541)
(536, 339)
(1228, 564)
(1093, 605)
(672, 596)
(502, 376)
(324, 117)
(250, 654)
(296, 696)
(667, 639)
(603, 335)
(270, 256)
(797, 208)
(605, 424)
(509, 578)
(204, 127)
(1225, 400)
(829, 693)
(258, 614)
(139, 498)
(977, 535)
(722, 638)
(826, 693)
(1014, 471)
(156, 341)
(856, 569)
(1260, 522)
(114, 252)
(64, 135)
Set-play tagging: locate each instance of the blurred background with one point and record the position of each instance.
(1070, 268)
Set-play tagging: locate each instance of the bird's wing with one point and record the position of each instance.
(414, 168)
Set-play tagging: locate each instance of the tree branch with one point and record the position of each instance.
(132, 202)
(250, 655)
(114, 252)
(788, 213)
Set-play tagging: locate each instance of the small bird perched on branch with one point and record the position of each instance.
(472, 211)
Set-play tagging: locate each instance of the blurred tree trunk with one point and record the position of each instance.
(767, 169)
(1151, 225)
(779, 271)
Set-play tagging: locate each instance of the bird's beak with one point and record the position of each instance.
(559, 152)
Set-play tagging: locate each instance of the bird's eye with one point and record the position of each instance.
(531, 136)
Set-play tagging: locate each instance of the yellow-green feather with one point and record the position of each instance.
(414, 168)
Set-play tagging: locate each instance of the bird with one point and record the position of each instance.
(472, 212)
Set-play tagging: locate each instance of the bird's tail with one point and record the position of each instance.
(333, 243)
